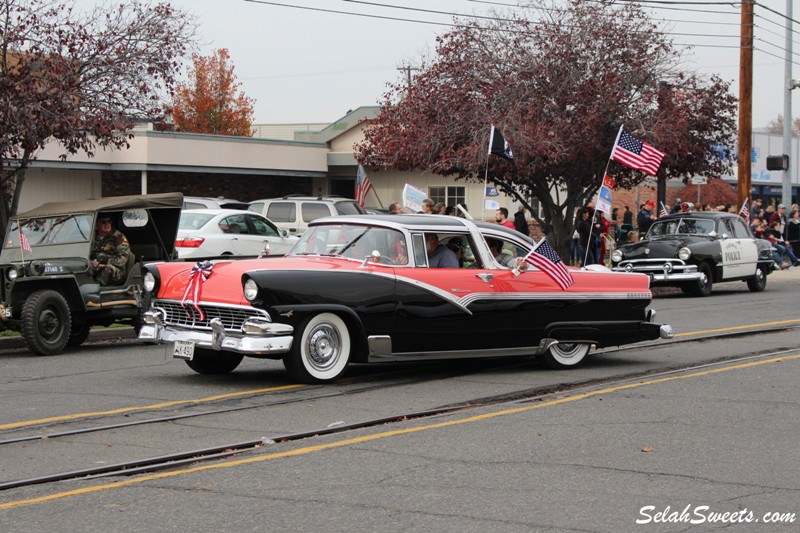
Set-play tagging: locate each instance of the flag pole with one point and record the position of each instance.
(19, 236)
(486, 172)
(619, 134)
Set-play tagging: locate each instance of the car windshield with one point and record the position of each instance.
(681, 226)
(352, 241)
(191, 221)
(52, 230)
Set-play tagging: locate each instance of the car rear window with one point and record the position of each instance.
(349, 208)
(191, 221)
(281, 212)
(313, 210)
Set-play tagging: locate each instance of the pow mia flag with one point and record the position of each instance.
(498, 145)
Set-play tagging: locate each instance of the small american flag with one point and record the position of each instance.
(545, 258)
(25, 243)
(663, 211)
(744, 212)
(363, 186)
(635, 153)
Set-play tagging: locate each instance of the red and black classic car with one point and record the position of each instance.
(358, 289)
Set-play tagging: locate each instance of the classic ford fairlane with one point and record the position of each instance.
(359, 289)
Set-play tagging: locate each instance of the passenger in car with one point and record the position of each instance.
(439, 256)
(505, 260)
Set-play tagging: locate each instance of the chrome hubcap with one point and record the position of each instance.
(324, 346)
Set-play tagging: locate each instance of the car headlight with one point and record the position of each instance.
(149, 282)
(250, 290)
(617, 255)
(684, 254)
(12, 274)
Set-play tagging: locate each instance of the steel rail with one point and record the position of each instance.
(361, 390)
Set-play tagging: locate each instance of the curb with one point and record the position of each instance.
(100, 334)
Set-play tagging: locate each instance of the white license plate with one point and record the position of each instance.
(183, 350)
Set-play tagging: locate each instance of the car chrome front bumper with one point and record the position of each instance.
(661, 271)
(263, 338)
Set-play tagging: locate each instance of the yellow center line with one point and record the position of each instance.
(162, 405)
(737, 328)
(386, 434)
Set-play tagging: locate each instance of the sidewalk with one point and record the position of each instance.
(96, 335)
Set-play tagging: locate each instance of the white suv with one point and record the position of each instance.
(294, 212)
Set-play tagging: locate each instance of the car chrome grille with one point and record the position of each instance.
(232, 316)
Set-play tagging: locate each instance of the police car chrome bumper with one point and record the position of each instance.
(661, 271)
(258, 337)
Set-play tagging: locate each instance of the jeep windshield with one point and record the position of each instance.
(682, 226)
(64, 229)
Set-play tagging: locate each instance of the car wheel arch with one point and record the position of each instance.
(67, 287)
(350, 317)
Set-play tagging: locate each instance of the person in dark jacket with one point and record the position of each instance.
(520, 222)
(793, 232)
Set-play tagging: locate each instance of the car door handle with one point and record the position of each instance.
(485, 276)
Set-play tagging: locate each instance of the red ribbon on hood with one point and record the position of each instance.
(199, 273)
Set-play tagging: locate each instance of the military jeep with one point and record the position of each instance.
(49, 293)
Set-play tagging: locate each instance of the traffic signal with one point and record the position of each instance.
(778, 162)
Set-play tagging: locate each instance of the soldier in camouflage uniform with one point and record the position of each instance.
(110, 253)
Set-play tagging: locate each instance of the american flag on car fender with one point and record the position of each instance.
(545, 258)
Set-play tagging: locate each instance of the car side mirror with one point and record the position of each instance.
(284, 233)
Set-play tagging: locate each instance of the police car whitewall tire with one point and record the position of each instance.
(211, 362)
(46, 322)
(566, 355)
(758, 282)
(321, 349)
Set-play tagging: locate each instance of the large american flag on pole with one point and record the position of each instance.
(363, 185)
(545, 258)
(635, 153)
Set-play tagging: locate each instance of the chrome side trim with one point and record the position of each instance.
(379, 345)
(544, 345)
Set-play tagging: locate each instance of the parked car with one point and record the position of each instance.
(357, 289)
(694, 250)
(207, 202)
(49, 293)
(294, 212)
(209, 233)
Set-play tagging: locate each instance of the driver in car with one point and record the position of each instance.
(110, 252)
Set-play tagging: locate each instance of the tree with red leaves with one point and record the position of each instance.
(558, 88)
(209, 103)
(82, 79)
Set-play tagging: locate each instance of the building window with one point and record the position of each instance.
(450, 195)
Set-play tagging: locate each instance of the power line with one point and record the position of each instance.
(661, 4)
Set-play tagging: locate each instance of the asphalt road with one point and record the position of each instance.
(720, 439)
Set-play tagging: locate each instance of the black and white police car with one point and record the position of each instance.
(694, 250)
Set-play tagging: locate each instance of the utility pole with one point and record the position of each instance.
(745, 102)
(786, 188)
(407, 69)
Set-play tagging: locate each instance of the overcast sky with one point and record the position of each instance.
(302, 65)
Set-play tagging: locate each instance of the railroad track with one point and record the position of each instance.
(433, 372)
